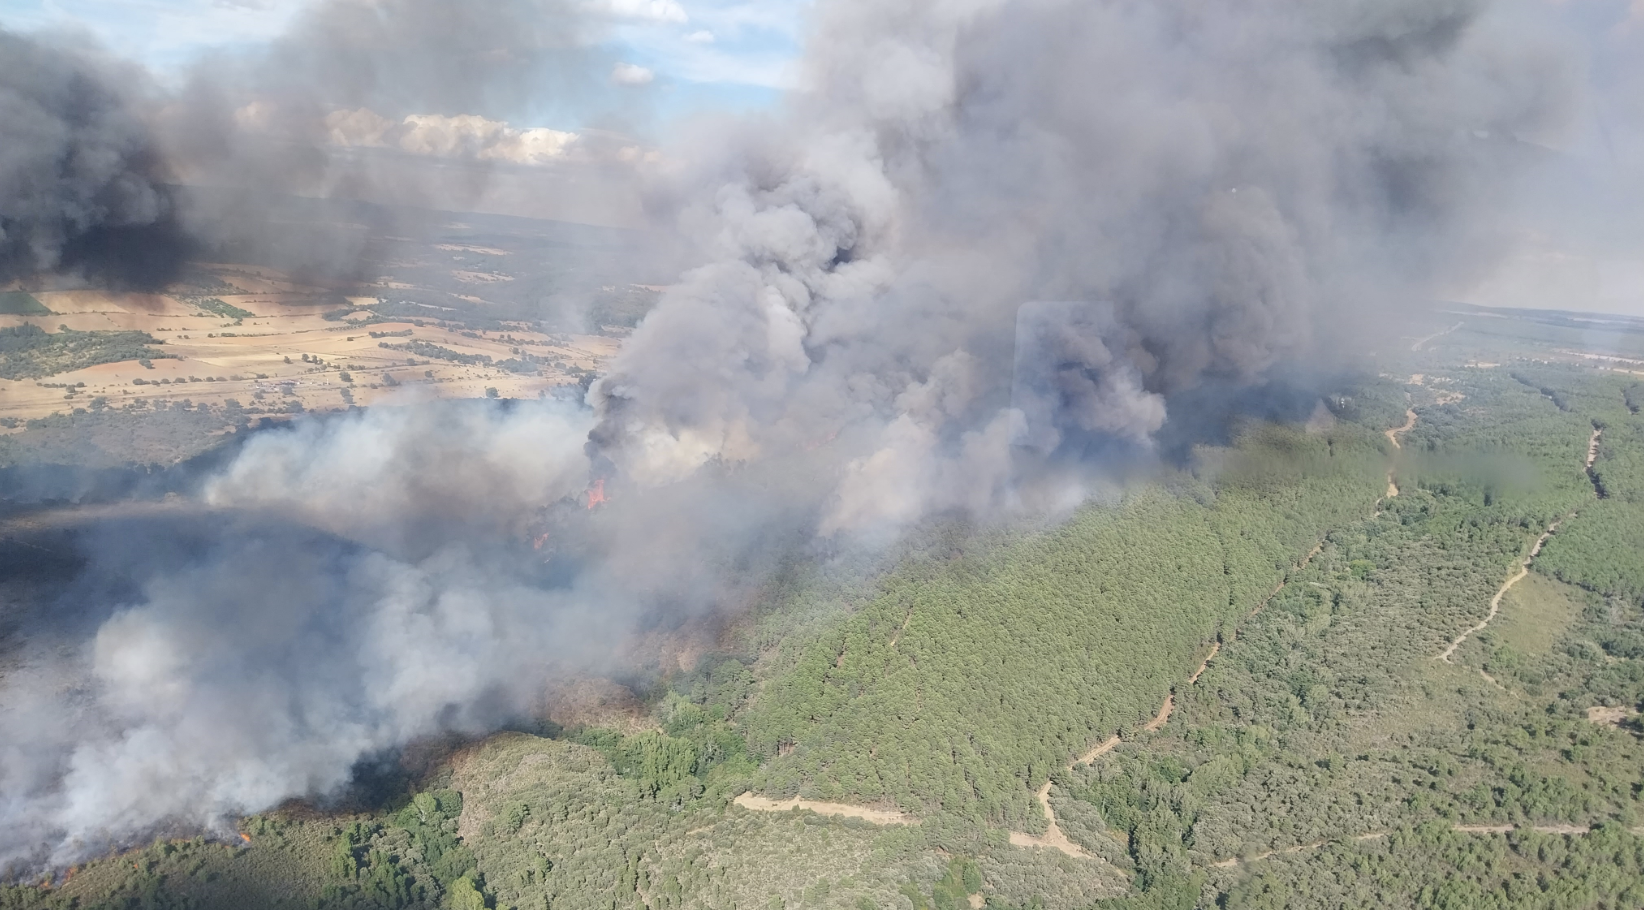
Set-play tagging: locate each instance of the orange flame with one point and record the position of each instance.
(596, 493)
(245, 837)
(540, 540)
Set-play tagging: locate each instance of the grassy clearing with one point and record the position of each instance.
(1535, 615)
(21, 303)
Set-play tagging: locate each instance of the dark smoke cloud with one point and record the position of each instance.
(1209, 196)
(82, 183)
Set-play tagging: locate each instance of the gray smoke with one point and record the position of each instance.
(356, 102)
(339, 106)
(1223, 192)
(1237, 186)
(82, 183)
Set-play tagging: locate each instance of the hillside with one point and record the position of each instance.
(1233, 685)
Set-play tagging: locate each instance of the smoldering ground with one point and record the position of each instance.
(1231, 192)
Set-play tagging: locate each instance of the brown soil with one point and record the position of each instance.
(1609, 717)
(873, 816)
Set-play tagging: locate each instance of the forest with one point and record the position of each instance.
(1366, 661)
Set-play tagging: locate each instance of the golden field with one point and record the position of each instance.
(286, 350)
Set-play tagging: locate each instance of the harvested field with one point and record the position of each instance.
(287, 352)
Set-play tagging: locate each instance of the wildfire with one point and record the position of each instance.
(540, 540)
(596, 493)
(245, 837)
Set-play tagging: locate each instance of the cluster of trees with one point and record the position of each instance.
(556, 824)
(433, 351)
(29, 352)
(219, 307)
(1432, 865)
(142, 433)
(952, 892)
(413, 858)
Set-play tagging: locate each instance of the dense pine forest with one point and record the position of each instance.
(1392, 656)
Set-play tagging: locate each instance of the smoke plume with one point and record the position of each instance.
(1236, 185)
(1192, 195)
(82, 183)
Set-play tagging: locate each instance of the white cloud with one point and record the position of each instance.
(653, 10)
(358, 128)
(463, 136)
(703, 36)
(469, 134)
(631, 74)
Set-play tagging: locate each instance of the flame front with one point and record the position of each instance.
(245, 837)
(596, 493)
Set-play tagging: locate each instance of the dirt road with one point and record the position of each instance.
(1053, 837)
(1495, 602)
(1393, 437)
(1523, 565)
(1436, 335)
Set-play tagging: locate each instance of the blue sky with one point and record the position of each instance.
(704, 53)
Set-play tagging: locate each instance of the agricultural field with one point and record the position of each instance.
(1393, 657)
(488, 307)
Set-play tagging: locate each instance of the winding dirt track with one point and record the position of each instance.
(1053, 837)
(1523, 564)
(1495, 602)
(1393, 437)
(1418, 345)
